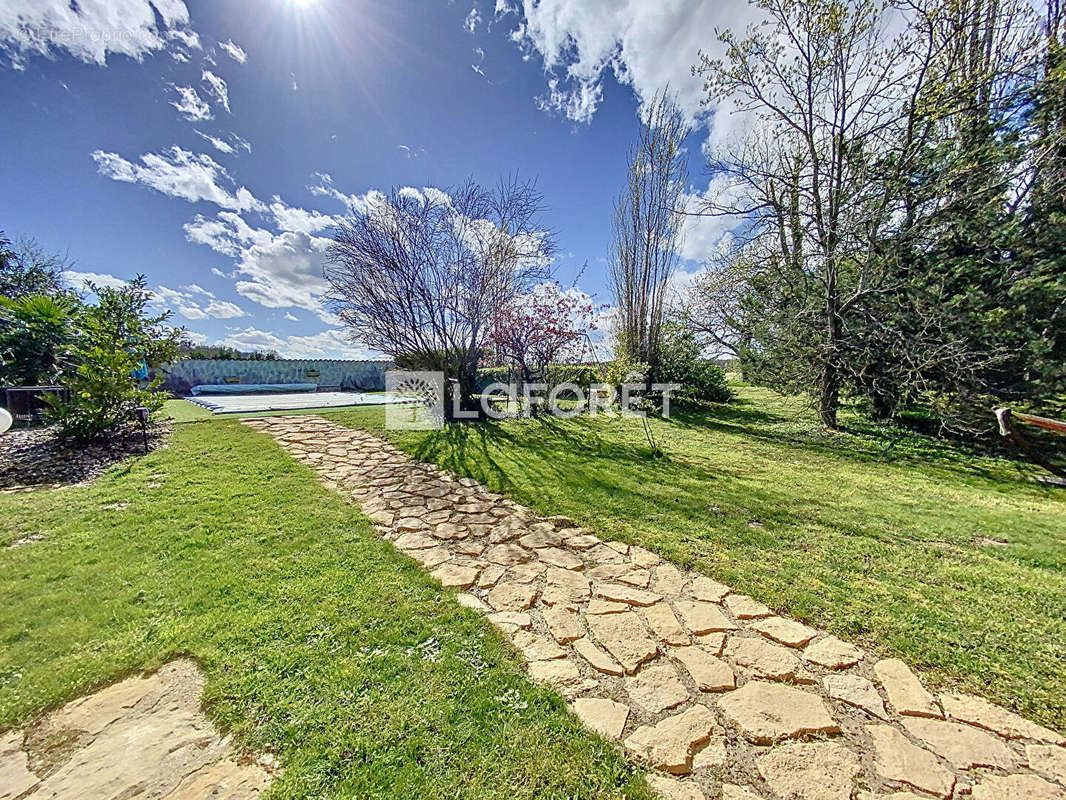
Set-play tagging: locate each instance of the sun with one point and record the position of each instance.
(302, 3)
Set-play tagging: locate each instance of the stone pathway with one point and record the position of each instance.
(143, 737)
(722, 698)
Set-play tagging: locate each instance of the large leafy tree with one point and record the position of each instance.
(26, 269)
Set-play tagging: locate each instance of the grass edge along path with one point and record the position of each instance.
(910, 546)
(320, 642)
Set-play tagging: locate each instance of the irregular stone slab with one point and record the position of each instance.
(625, 638)
(507, 555)
(673, 789)
(563, 624)
(511, 621)
(905, 692)
(664, 624)
(762, 658)
(15, 775)
(431, 558)
(714, 755)
(512, 596)
(1016, 787)
(898, 760)
(730, 791)
(668, 579)
(557, 557)
(606, 717)
(670, 744)
(581, 541)
(784, 631)
(560, 674)
(810, 770)
(1049, 759)
(639, 578)
(856, 691)
(410, 524)
(964, 746)
(472, 602)
(712, 643)
(608, 572)
(526, 573)
(710, 673)
(643, 558)
(769, 712)
(598, 606)
(656, 688)
(142, 737)
(832, 653)
(565, 587)
(226, 780)
(449, 531)
(537, 648)
(541, 538)
(703, 588)
(626, 594)
(743, 607)
(701, 618)
(599, 660)
(601, 554)
(453, 576)
(489, 577)
(415, 541)
(979, 712)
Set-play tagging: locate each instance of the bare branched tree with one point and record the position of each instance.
(421, 274)
(647, 230)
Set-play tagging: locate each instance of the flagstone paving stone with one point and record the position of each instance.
(698, 682)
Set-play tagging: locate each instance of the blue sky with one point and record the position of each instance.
(210, 144)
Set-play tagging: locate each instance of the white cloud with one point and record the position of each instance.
(230, 147)
(645, 45)
(217, 88)
(578, 104)
(275, 270)
(190, 39)
(503, 8)
(331, 343)
(185, 304)
(299, 220)
(223, 309)
(90, 30)
(702, 236)
(235, 51)
(190, 105)
(473, 19)
(290, 316)
(78, 279)
(179, 173)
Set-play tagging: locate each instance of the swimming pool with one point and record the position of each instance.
(292, 401)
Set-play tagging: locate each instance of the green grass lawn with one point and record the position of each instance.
(320, 641)
(949, 559)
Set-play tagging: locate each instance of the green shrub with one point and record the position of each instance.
(681, 361)
(33, 329)
(584, 375)
(109, 341)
